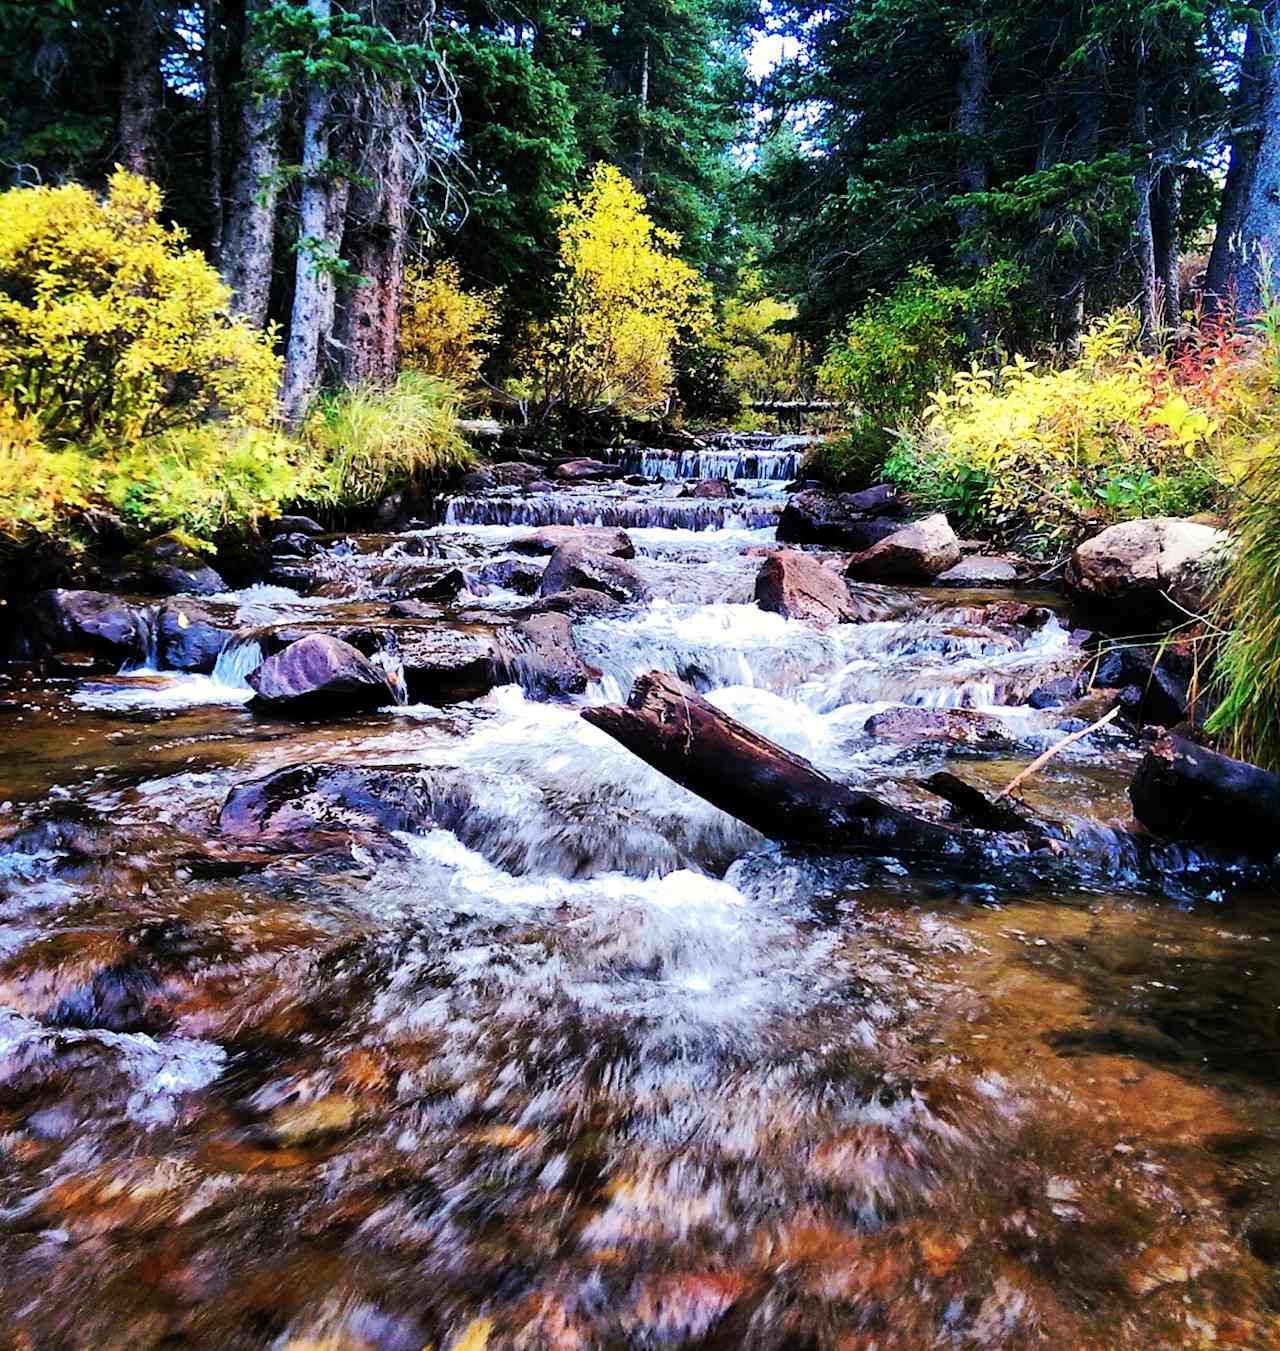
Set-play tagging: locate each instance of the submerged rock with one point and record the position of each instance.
(100, 625)
(1146, 573)
(572, 566)
(314, 805)
(190, 637)
(914, 553)
(908, 725)
(522, 575)
(800, 587)
(319, 674)
(601, 539)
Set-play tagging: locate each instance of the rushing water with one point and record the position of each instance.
(583, 1062)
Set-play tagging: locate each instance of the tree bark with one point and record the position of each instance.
(642, 114)
(213, 120)
(673, 728)
(973, 91)
(1148, 299)
(377, 236)
(322, 211)
(1082, 148)
(1166, 209)
(140, 89)
(1226, 257)
(249, 239)
(1260, 228)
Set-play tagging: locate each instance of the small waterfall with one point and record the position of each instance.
(771, 466)
(240, 656)
(146, 621)
(578, 509)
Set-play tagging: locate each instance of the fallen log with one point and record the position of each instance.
(977, 809)
(1188, 792)
(673, 728)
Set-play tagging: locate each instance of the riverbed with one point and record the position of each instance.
(584, 1062)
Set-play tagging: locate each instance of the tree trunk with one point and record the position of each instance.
(1082, 148)
(1166, 209)
(213, 119)
(673, 728)
(1149, 296)
(1226, 256)
(973, 89)
(320, 227)
(377, 235)
(249, 239)
(642, 114)
(1260, 228)
(140, 89)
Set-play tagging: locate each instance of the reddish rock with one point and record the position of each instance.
(573, 567)
(601, 539)
(798, 586)
(584, 470)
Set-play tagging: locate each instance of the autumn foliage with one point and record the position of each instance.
(623, 300)
(110, 326)
(446, 330)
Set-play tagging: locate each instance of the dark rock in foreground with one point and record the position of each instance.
(844, 520)
(314, 806)
(1187, 792)
(190, 637)
(538, 654)
(95, 623)
(319, 674)
(168, 566)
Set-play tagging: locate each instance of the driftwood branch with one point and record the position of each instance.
(1041, 760)
(673, 728)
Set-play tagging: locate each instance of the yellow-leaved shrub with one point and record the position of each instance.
(445, 329)
(110, 326)
(1061, 451)
(623, 299)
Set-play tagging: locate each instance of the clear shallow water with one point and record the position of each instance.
(590, 1064)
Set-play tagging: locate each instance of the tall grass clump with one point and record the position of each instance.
(364, 442)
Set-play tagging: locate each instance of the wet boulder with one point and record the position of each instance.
(585, 470)
(572, 566)
(819, 516)
(319, 674)
(1155, 680)
(1055, 693)
(294, 544)
(515, 473)
(108, 630)
(715, 488)
(1187, 792)
(521, 575)
(578, 603)
(190, 636)
(979, 570)
(313, 806)
(1146, 573)
(800, 587)
(424, 581)
(883, 499)
(294, 525)
(538, 654)
(913, 553)
(445, 665)
(169, 566)
(601, 539)
(908, 725)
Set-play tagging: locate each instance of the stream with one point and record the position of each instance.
(582, 1062)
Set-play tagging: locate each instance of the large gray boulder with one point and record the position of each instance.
(573, 567)
(1147, 572)
(601, 539)
(800, 587)
(918, 552)
(319, 674)
(539, 655)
